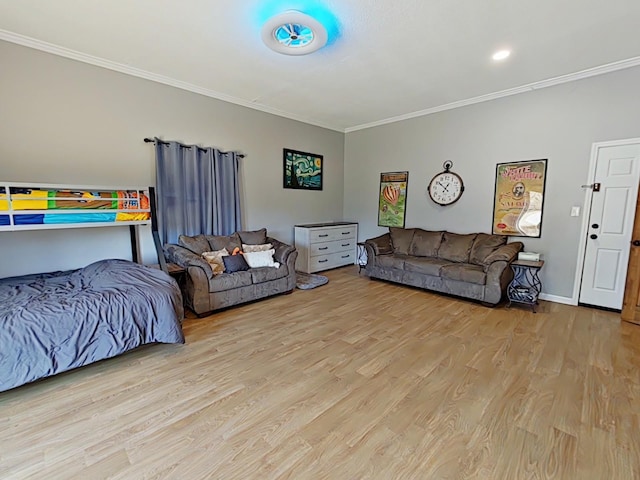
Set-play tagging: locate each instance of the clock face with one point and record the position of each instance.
(446, 188)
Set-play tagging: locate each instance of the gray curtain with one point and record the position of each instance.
(197, 191)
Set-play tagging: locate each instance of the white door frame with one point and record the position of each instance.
(586, 211)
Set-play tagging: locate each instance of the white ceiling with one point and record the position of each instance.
(391, 59)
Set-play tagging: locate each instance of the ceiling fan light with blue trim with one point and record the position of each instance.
(294, 33)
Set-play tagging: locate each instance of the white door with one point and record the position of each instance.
(610, 226)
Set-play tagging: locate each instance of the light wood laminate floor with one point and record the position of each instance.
(357, 379)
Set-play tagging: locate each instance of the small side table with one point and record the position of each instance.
(176, 271)
(362, 256)
(526, 285)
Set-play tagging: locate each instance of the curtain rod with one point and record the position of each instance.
(161, 142)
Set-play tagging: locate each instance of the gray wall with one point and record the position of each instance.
(66, 122)
(558, 123)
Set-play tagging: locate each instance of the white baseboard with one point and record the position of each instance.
(557, 299)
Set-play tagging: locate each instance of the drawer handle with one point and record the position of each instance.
(325, 235)
(346, 244)
(345, 256)
(323, 248)
(346, 233)
(323, 261)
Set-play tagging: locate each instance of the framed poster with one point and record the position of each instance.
(302, 170)
(519, 198)
(392, 203)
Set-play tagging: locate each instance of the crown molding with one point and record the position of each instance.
(571, 77)
(136, 72)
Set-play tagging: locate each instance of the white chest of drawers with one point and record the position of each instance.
(322, 246)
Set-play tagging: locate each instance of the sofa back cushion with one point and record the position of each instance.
(197, 244)
(425, 243)
(230, 242)
(456, 247)
(254, 237)
(484, 245)
(401, 239)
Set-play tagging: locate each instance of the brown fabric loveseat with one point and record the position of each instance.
(474, 266)
(204, 292)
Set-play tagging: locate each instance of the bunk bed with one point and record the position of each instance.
(54, 322)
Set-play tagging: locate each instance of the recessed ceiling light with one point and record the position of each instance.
(501, 54)
(294, 33)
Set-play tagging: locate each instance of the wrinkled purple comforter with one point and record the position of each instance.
(54, 322)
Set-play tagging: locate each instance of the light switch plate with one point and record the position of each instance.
(575, 211)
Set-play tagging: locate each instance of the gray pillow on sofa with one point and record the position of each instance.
(425, 243)
(197, 244)
(230, 242)
(401, 239)
(485, 245)
(255, 237)
(456, 247)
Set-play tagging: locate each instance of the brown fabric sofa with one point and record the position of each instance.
(474, 266)
(204, 292)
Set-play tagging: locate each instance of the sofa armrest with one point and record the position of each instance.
(506, 253)
(186, 258)
(282, 250)
(380, 245)
(498, 277)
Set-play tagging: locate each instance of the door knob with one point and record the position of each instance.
(636, 243)
(594, 236)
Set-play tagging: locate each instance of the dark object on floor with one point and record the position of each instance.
(307, 281)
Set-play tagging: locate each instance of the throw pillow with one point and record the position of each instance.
(214, 259)
(197, 244)
(261, 259)
(235, 263)
(256, 248)
(254, 237)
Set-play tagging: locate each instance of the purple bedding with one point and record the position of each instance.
(53, 322)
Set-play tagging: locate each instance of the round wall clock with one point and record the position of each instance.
(446, 187)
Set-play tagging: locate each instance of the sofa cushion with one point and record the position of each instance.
(254, 237)
(235, 263)
(401, 239)
(246, 248)
(214, 259)
(505, 253)
(266, 274)
(456, 247)
(261, 259)
(230, 242)
(484, 245)
(425, 243)
(464, 272)
(425, 265)
(197, 244)
(391, 261)
(229, 281)
(381, 245)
